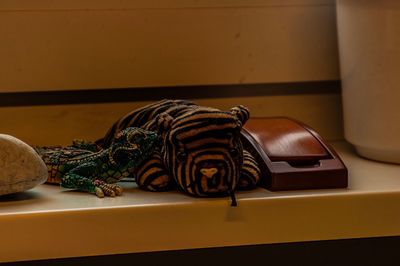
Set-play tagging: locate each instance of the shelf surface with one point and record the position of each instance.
(47, 222)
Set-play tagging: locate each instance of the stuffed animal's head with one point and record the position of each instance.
(202, 150)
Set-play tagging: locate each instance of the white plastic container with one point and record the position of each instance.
(369, 45)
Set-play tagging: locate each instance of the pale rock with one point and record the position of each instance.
(21, 168)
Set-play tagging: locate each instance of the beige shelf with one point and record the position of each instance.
(49, 223)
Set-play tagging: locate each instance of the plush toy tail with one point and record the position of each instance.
(233, 199)
(232, 194)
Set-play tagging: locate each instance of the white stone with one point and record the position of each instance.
(21, 168)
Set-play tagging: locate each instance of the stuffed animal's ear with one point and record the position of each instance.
(242, 114)
(163, 121)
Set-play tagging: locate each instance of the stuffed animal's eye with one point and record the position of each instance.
(181, 156)
(234, 153)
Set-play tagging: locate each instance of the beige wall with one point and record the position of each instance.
(59, 124)
(93, 45)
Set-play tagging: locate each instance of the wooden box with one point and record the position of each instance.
(292, 155)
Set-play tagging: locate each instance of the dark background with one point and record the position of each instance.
(367, 251)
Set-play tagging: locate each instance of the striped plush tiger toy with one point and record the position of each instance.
(200, 149)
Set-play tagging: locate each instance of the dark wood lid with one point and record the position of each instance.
(285, 140)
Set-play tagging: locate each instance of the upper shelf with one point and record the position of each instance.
(49, 45)
(69, 224)
(18, 5)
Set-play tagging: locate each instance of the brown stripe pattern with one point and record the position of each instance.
(250, 174)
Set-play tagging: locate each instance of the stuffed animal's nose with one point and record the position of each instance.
(209, 172)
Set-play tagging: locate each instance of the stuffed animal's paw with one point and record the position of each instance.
(103, 189)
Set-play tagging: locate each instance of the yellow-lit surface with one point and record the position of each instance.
(66, 45)
(48, 223)
(59, 124)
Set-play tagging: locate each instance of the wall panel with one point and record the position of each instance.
(59, 124)
(78, 47)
